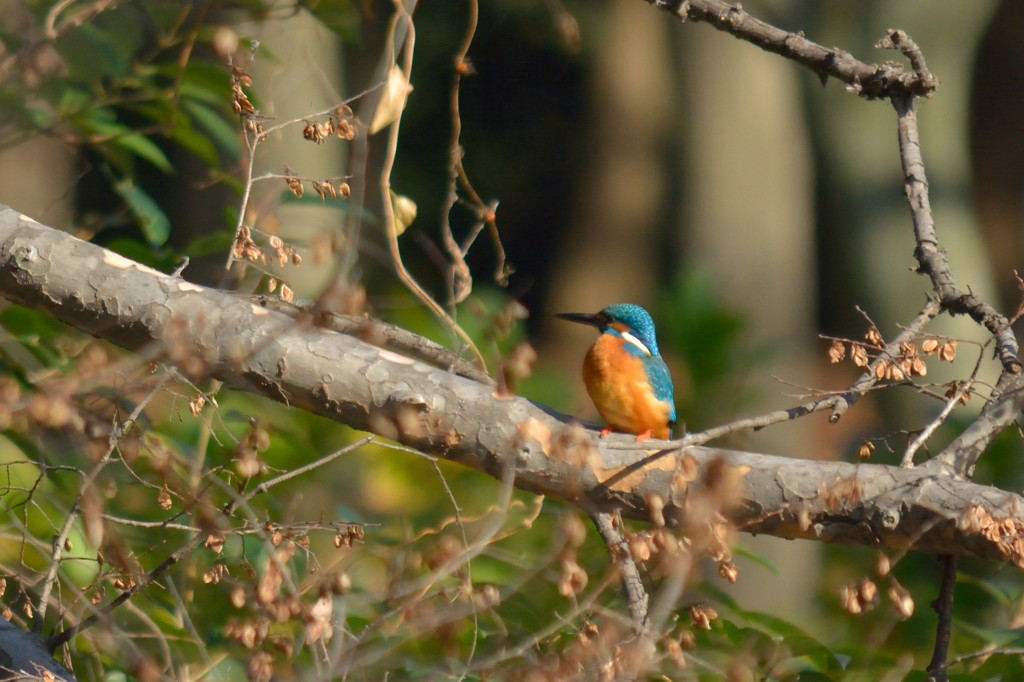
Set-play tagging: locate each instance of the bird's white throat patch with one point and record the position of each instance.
(629, 338)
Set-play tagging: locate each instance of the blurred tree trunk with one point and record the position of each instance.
(997, 145)
(37, 176)
(299, 44)
(747, 220)
(612, 249)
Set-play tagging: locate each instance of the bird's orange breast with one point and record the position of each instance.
(618, 385)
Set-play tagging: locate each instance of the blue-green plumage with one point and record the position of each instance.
(625, 374)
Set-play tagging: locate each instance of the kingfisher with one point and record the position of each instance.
(625, 375)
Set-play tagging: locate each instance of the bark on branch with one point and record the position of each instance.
(209, 333)
(867, 79)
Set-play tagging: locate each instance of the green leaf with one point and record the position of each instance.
(75, 98)
(144, 148)
(95, 50)
(29, 325)
(103, 122)
(207, 83)
(216, 242)
(153, 222)
(223, 134)
(758, 559)
(18, 112)
(191, 140)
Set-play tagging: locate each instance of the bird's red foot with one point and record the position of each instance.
(641, 437)
(605, 431)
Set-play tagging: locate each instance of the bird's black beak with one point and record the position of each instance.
(582, 318)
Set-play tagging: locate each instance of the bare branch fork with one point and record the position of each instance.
(864, 78)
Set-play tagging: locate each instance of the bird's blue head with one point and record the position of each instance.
(634, 319)
(628, 321)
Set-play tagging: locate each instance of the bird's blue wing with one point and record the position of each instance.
(661, 382)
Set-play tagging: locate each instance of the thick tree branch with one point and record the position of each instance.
(381, 334)
(25, 656)
(206, 333)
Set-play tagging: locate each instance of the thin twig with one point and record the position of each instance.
(507, 654)
(637, 599)
(986, 653)
(862, 78)
(931, 259)
(288, 475)
(897, 39)
(457, 510)
(323, 112)
(76, 508)
(908, 457)
(1007, 400)
(837, 403)
(199, 538)
(404, 16)
(417, 591)
(485, 212)
(943, 605)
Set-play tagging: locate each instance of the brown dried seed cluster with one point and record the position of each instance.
(904, 366)
(943, 350)
(701, 616)
(294, 183)
(349, 536)
(574, 579)
(285, 253)
(215, 574)
(864, 596)
(248, 462)
(325, 188)
(245, 248)
(338, 124)
(239, 101)
(256, 129)
(859, 598)
(901, 599)
(1006, 533)
(954, 387)
(260, 667)
(274, 604)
